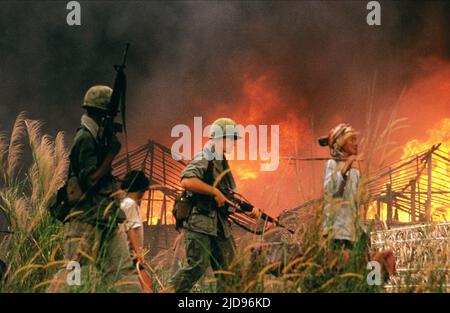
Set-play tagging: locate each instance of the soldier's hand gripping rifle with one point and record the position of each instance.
(108, 127)
(242, 205)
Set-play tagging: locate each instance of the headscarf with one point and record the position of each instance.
(336, 139)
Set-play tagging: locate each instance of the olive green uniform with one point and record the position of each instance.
(208, 232)
(93, 236)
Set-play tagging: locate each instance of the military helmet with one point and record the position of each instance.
(97, 97)
(224, 128)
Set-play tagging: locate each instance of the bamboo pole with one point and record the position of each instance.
(413, 201)
(429, 186)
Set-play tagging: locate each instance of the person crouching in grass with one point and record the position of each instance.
(135, 184)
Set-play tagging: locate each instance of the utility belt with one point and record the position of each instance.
(185, 203)
(204, 204)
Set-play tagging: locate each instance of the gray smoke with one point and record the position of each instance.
(186, 57)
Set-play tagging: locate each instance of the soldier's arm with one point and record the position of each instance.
(193, 175)
(90, 174)
(192, 179)
(196, 185)
(104, 167)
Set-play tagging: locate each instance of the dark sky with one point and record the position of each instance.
(304, 65)
(188, 58)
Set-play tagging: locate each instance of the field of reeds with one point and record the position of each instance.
(33, 251)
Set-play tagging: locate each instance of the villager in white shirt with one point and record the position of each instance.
(341, 186)
(135, 184)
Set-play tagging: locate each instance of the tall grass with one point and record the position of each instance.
(33, 249)
(319, 268)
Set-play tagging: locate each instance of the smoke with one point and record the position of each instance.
(188, 59)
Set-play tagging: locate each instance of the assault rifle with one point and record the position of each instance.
(242, 205)
(108, 127)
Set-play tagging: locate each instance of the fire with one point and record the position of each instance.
(245, 173)
(425, 104)
(158, 205)
(440, 134)
(261, 103)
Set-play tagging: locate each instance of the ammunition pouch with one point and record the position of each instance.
(58, 205)
(66, 198)
(75, 194)
(182, 209)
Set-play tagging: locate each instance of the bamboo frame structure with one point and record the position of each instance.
(163, 171)
(413, 185)
(418, 186)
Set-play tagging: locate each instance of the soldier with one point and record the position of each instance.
(208, 232)
(92, 236)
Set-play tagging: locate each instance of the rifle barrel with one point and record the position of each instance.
(291, 158)
(125, 54)
(238, 206)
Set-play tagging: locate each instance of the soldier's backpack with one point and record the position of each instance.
(68, 196)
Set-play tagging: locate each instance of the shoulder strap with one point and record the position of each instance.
(209, 174)
(225, 167)
(71, 172)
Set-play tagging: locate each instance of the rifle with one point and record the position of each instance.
(242, 205)
(293, 158)
(108, 127)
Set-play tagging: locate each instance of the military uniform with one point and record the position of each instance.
(208, 232)
(92, 233)
(86, 156)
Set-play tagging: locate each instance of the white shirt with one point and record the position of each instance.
(131, 210)
(341, 207)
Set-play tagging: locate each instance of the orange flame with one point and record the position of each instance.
(440, 169)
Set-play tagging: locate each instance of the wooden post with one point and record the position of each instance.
(150, 193)
(365, 209)
(164, 217)
(164, 206)
(429, 185)
(413, 201)
(389, 201)
(379, 210)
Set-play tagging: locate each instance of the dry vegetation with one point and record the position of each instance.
(33, 251)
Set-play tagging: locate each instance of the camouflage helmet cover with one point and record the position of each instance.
(224, 128)
(97, 97)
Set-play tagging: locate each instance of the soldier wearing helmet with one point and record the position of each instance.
(208, 232)
(92, 234)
